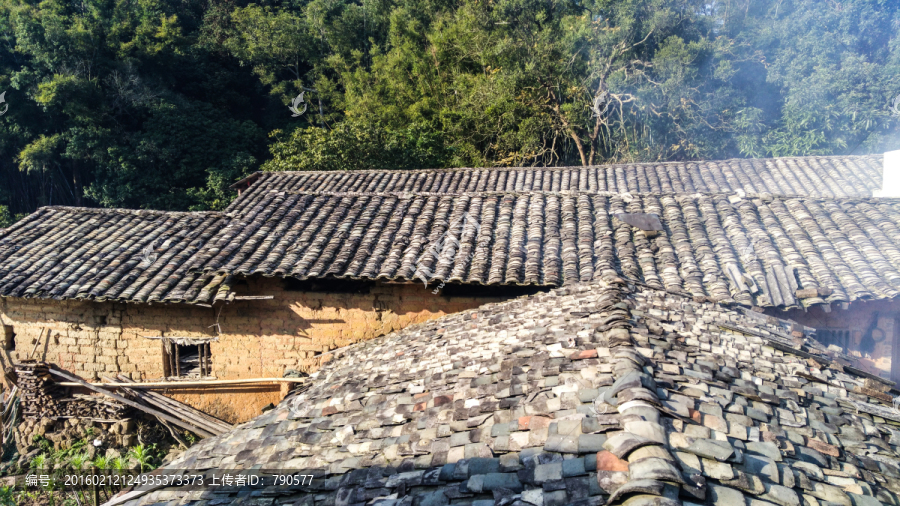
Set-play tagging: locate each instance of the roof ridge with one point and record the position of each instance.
(562, 193)
(129, 211)
(560, 167)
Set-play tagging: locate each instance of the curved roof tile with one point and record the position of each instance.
(590, 394)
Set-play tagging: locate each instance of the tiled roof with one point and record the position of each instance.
(77, 253)
(757, 251)
(588, 394)
(825, 176)
(724, 236)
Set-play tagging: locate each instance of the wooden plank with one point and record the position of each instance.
(192, 384)
(181, 406)
(183, 411)
(200, 432)
(177, 409)
(98, 420)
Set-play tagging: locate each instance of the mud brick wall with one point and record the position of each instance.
(257, 338)
(859, 319)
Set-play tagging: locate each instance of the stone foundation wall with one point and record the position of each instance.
(256, 338)
(872, 328)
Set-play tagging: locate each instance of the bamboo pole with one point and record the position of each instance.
(189, 384)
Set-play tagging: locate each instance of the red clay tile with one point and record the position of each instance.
(584, 354)
(821, 447)
(537, 422)
(606, 461)
(442, 399)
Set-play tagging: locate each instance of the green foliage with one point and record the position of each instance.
(145, 455)
(164, 104)
(76, 451)
(119, 464)
(40, 461)
(121, 104)
(7, 496)
(189, 437)
(76, 461)
(375, 147)
(5, 218)
(101, 462)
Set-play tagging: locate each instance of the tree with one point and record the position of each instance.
(163, 104)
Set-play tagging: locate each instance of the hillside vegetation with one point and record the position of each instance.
(164, 103)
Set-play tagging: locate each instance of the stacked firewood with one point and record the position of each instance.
(43, 398)
(39, 393)
(93, 407)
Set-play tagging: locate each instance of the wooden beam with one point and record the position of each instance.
(189, 384)
(174, 407)
(165, 358)
(177, 360)
(171, 354)
(153, 395)
(46, 346)
(36, 343)
(181, 423)
(203, 360)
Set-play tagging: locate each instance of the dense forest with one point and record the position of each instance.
(163, 104)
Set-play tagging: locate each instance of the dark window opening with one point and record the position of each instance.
(240, 286)
(9, 338)
(328, 285)
(188, 361)
(837, 337)
(507, 291)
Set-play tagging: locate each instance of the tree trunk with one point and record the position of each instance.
(76, 182)
(573, 134)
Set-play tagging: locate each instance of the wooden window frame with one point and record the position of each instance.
(171, 357)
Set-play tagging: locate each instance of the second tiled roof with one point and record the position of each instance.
(814, 176)
(756, 251)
